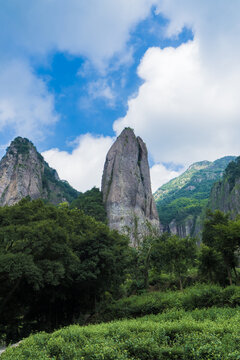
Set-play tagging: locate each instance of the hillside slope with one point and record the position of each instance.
(23, 172)
(180, 202)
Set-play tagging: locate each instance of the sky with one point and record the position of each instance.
(74, 73)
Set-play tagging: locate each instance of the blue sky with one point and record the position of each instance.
(74, 74)
(89, 100)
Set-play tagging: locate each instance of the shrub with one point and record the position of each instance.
(200, 334)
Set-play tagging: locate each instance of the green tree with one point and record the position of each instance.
(175, 255)
(55, 264)
(222, 236)
(91, 203)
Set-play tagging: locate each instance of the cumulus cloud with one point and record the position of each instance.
(160, 175)
(215, 25)
(84, 166)
(26, 107)
(33, 30)
(183, 110)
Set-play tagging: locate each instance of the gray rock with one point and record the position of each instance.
(23, 172)
(126, 188)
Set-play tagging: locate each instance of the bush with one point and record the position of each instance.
(198, 296)
(200, 334)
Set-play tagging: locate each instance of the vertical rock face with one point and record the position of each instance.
(23, 172)
(126, 188)
(225, 194)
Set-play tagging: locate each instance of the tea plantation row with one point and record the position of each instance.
(176, 334)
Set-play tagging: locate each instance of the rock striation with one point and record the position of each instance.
(126, 188)
(23, 172)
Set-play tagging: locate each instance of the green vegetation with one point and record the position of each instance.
(221, 246)
(56, 264)
(91, 203)
(232, 172)
(22, 145)
(199, 334)
(198, 296)
(59, 266)
(57, 189)
(187, 195)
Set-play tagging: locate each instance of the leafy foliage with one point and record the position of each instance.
(175, 255)
(197, 296)
(22, 145)
(222, 245)
(91, 203)
(200, 334)
(55, 263)
(61, 187)
(187, 194)
(232, 172)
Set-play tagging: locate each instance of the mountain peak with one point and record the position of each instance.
(23, 172)
(126, 187)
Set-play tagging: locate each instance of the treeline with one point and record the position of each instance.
(171, 261)
(56, 264)
(59, 266)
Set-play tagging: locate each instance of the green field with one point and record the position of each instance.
(176, 334)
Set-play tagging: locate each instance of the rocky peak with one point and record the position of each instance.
(23, 172)
(126, 188)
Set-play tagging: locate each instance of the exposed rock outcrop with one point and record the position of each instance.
(181, 202)
(126, 188)
(23, 172)
(225, 194)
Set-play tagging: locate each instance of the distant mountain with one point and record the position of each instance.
(180, 202)
(23, 172)
(225, 194)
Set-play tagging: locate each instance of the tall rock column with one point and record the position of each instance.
(126, 188)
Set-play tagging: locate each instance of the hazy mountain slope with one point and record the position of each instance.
(181, 201)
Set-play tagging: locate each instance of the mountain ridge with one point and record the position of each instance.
(24, 172)
(181, 201)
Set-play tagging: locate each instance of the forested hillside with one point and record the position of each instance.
(180, 202)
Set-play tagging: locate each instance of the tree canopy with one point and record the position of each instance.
(55, 263)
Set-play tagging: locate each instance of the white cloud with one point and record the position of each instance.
(184, 111)
(84, 166)
(33, 30)
(26, 107)
(101, 89)
(93, 28)
(215, 25)
(160, 175)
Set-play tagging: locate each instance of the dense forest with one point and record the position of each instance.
(56, 264)
(59, 266)
(187, 195)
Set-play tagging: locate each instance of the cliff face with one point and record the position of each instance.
(126, 188)
(23, 172)
(182, 201)
(225, 194)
